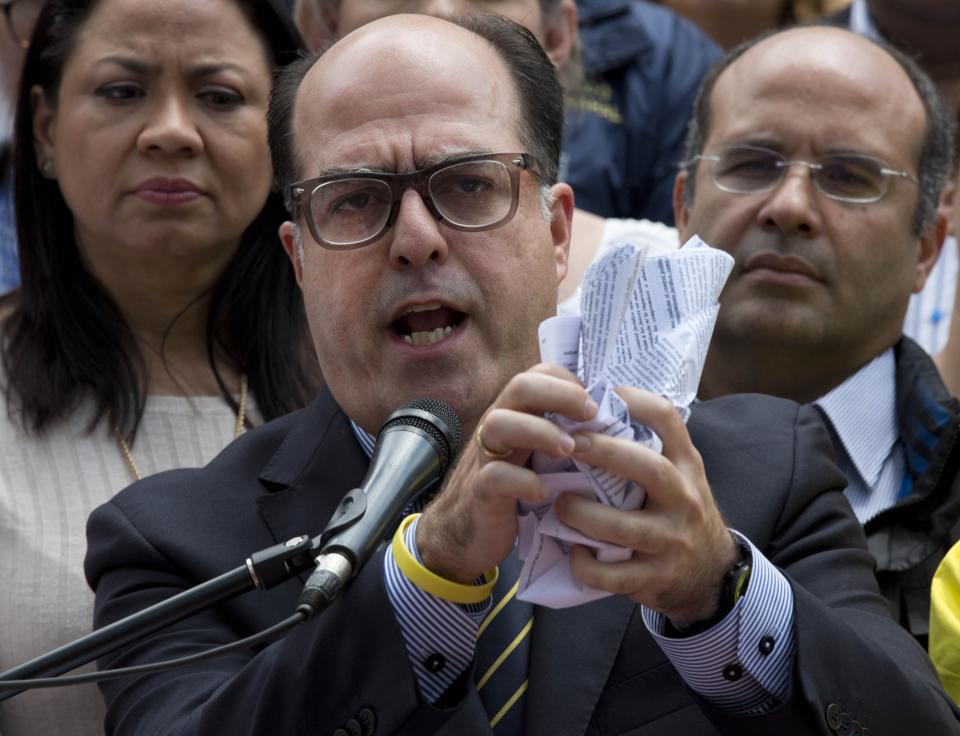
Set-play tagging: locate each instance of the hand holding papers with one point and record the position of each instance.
(646, 322)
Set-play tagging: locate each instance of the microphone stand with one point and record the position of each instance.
(261, 571)
(269, 567)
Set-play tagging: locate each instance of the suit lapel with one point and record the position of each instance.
(571, 656)
(317, 463)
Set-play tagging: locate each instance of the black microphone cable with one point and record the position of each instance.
(253, 640)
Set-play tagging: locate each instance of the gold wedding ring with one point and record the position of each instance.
(486, 450)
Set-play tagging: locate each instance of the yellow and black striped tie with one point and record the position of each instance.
(503, 647)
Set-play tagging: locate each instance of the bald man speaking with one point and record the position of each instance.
(428, 233)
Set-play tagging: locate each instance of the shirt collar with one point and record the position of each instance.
(367, 441)
(863, 411)
(861, 23)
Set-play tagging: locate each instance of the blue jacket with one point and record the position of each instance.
(627, 122)
(9, 261)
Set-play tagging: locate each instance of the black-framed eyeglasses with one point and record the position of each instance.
(21, 16)
(846, 177)
(469, 193)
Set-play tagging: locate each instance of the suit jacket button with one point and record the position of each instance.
(732, 672)
(353, 727)
(368, 721)
(834, 714)
(846, 725)
(435, 663)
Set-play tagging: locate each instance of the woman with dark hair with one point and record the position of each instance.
(157, 314)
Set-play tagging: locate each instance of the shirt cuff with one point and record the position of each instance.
(440, 636)
(741, 665)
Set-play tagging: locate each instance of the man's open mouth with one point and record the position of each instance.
(425, 324)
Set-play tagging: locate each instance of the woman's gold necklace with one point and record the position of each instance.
(237, 431)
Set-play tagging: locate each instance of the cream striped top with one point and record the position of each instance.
(48, 487)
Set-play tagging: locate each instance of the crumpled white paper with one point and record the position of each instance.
(646, 322)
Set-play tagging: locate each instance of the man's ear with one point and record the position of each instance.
(318, 21)
(681, 213)
(44, 125)
(561, 214)
(292, 241)
(931, 242)
(560, 32)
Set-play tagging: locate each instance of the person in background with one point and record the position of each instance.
(730, 22)
(817, 158)
(18, 19)
(925, 29)
(631, 70)
(945, 622)
(156, 317)
(802, 11)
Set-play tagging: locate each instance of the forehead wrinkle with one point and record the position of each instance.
(147, 31)
(364, 147)
(196, 69)
(425, 162)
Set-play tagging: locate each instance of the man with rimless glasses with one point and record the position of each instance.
(816, 158)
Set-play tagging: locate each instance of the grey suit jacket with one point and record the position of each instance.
(594, 669)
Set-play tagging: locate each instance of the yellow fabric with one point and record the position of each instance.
(509, 704)
(499, 607)
(504, 654)
(431, 582)
(945, 622)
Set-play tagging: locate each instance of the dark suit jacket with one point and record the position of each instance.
(594, 669)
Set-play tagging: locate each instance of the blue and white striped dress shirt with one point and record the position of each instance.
(862, 414)
(440, 636)
(742, 665)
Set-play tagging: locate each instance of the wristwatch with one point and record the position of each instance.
(733, 588)
(736, 580)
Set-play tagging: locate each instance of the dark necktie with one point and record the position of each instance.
(503, 646)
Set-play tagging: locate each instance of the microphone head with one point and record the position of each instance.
(435, 418)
